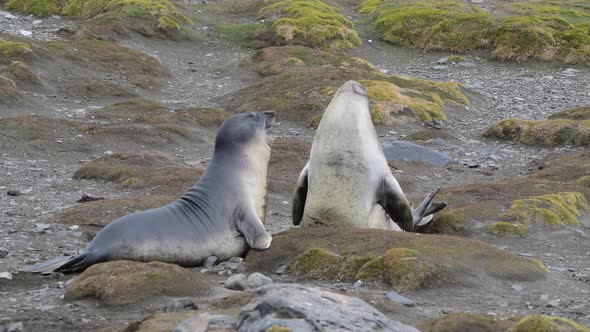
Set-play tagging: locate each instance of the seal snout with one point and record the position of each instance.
(270, 118)
(355, 87)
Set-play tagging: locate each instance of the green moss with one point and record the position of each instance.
(455, 59)
(203, 116)
(8, 91)
(558, 131)
(405, 269)
(20, 73)
(372, 271)
(466, 322)
(515, 269)
(428, 134)
(311, 23)
(243, 34)
(543, 323)
(323, 264)
(437, 25)
(148, 17)
(451, 222)
(506, 228)
(577, 113)
(552, 210)
(13, 51)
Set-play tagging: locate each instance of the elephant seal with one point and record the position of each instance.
(221, 215)
(347, 181)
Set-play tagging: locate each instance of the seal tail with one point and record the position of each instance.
(65, 264)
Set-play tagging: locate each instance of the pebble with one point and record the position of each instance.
(256, 280)
(37, 22)
(553, 303)
(25, 33)
(15, 327)
(440, 67)
(236, 282)
(10, 16)
(282, 269)
(13, 193)
(108, 152)
(181, 304)
(6, 275)
(237, 260)
(210, 261)
(358, 284)
(442, 61)
(395, 297)
(3, 252)
(472, 164)
(517, 287)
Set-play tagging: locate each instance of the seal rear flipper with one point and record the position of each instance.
(250, 225)
(423, 214)
(393, 200)
(299, 197)
(63, 264)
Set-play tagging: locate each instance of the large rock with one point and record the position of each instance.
(126, 282)
(304, 308)
(400, 150)
(404, 260)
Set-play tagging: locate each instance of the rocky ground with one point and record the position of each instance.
(40, 218)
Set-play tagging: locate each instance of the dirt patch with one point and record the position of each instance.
(288, 157)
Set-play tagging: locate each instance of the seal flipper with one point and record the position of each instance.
(63, 264)
(395, 203)
(250, 225)
(299, 197)
(423, 214)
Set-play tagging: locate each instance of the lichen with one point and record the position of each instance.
(552, 209)
(310, 23)
(544, 323)
(506, 228)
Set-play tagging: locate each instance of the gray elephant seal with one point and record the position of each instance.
(221, 215)
(347, 181)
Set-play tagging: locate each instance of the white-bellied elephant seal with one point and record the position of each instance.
(221, 215)
(347, 181)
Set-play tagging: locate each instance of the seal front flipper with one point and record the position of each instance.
(300, 196)
(249, 224)
(395, 203)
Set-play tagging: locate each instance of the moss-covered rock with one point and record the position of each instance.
(20, 74)
(13, 51)
(8, 91)
(301, 89)
(436, 25)
(153, 18)
(142, 170)
(467, 322)
(313, 23)
(126, 282)
(160, 322)
(415, 260)
(543, 323)
(552, 210)
(506, 228)
(558, 131)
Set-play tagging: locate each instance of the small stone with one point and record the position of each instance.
(544, 297)
(553, 303)
(42, 226)
(436, 141)
(466, 64)
(237, 260)
(358, 284)
(282, 269)
(37, 22)
(10, 16)
(256, 280)
(236, 282)
(472, 164)
(108, 152)
(3, 252)
(395, 297)
(6, 275)
(15, 327)
(516, 287)
(440, 67)
(442, 61)
(25, 33)
(73, 227)
(13, 193)
(181, 304)
(210, 261)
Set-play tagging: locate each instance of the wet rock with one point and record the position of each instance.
(3, 252)
(305, 308)
(256, 280)
(404, 151)
(126, 282)
(15, 327)
(6, 275)
(210, 261)
(395, 297)
(236, 282)
(206, 322)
